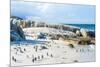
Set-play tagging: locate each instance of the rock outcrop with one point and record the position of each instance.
(84, 33)
(16, 32)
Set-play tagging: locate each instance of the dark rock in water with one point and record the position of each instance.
(16, 33)
(91, 33)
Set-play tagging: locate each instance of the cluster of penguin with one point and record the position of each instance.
(41, 57)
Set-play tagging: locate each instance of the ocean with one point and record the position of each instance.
(85, 26)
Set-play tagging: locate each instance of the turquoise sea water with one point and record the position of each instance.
(85, 26)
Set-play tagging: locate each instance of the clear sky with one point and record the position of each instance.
(54, 13)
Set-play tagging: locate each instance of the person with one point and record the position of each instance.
(33, 60)
(36, 48)
(47, 54)
(13, 58)
(51, 55)
(42, 56)
(21, 51)
(38, 57)
(24, 49)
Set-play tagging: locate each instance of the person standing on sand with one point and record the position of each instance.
(42, 56)
(47, 54)
(36, 48)
(38, 57)
(24, 49)
(33, 60)
(13, 58)
(51, 55)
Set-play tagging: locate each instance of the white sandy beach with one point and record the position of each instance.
(49, 51)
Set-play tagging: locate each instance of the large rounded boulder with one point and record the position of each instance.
(84, 32)
(16, 32)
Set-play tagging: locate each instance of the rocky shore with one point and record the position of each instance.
(34, 43)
